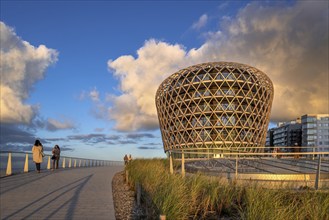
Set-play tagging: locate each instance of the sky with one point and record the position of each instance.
(83, 74)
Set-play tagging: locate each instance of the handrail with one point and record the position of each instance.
(197, 154)
(273, 151)
(17, 162)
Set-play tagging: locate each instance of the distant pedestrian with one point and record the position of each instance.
(296, 149)
(125, 159)
(37, 151)
(129, 158)
(56, 155)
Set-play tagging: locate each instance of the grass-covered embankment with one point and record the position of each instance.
(198, 196)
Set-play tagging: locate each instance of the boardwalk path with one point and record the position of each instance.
(81, 193)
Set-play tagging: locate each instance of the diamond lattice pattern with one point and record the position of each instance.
(215, 105)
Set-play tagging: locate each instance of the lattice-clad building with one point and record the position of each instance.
(215, 106)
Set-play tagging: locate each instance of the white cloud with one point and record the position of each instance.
(139, 80)
(22, 65)
(201, 22)
(289, 44)
(94, 95)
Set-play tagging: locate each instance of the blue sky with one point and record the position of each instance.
(71, 71)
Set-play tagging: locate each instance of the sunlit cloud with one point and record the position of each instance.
(21, 66)
(289, 44)
(139, 80)
(53, 124)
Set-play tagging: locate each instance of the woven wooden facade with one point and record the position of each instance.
(219, 105)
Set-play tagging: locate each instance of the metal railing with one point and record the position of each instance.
(22, 162)
(288, 164)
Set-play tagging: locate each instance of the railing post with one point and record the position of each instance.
(139, 192)
(183, 164)
(9, 168)
(48, 165)
(171, 163)
(317, 178)
(63, 165)
(26, 165)
(236, 167)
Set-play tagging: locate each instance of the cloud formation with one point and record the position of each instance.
(139, 136)
(289, 44)
(149, 148)
(21, 66)
(94, 138)
(54, 125)
(11, 135)
(94, 95)
(201, 22)
(130, 138)
(135, 108)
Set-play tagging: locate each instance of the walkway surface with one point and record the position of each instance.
(79, 193)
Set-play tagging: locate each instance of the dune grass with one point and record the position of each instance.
(198, 196)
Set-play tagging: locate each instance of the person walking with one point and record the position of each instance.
(37, 152)
(125, 159)
(56, 155)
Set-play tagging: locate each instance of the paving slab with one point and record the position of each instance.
(77, 193)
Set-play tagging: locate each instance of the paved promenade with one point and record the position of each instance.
(77, 193)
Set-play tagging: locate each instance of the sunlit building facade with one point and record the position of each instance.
(218, 105)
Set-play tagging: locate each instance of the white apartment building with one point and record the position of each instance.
(315, 132)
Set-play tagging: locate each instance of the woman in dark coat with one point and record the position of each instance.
(56, 155)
